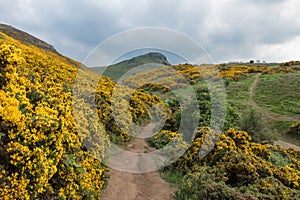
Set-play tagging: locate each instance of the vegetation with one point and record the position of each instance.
(294, 130)
(43, 152)
(116, 71)
(237, 92)
(236, 168)
(269, 93)
(53, 145)
(252, 123)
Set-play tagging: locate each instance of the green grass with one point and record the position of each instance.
(174, 178)
(116, 71)
(237, 92)
(278, 159)
(281, 126)
(279, 93)
(272, 91)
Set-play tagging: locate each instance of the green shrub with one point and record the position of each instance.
(279, 159)
(295, 130)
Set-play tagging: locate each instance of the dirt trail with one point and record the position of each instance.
(271, 116)
(286, 145)
(266, 113)
(252, 88)
(138, 186)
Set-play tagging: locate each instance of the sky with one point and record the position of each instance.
(228, 30)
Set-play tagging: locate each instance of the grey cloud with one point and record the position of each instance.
(231, 29)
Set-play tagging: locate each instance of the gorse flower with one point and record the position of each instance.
(44, 148)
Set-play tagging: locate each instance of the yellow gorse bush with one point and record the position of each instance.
(232, 159)
(43, 151)
(168, 78)
(294, 129)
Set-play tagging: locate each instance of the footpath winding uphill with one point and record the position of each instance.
(271, 116)
(137, 186)
(266, 113)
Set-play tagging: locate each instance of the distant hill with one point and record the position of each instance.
(25, 37)
(117, 70)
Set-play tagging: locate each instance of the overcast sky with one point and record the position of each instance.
(228, 29)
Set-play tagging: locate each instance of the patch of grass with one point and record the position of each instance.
(280, 93)
(281, 126)
(116, 71)
(174, 178)
(253, 123)
(115, 139)
(278, 159)
(238, 92)
(268, 86)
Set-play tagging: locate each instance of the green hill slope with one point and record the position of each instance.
(117, 70)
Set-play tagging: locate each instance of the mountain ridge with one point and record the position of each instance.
(26, 37)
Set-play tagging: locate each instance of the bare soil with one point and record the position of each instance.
(286, 145)
(138, 186)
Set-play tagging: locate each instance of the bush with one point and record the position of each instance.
(251, 122)
(294, 130)
(205, 184)
(236, 168)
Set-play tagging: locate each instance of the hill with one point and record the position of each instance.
(25, 37)
(117, 70)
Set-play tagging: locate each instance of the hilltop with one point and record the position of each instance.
(25, 37)
(115, 71)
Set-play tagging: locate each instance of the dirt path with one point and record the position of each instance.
(252, 88)
(271, 116)
(138, 186)
(266, 113)
(286, 145)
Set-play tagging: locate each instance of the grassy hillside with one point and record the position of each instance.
(117, 70)
(280, 93)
